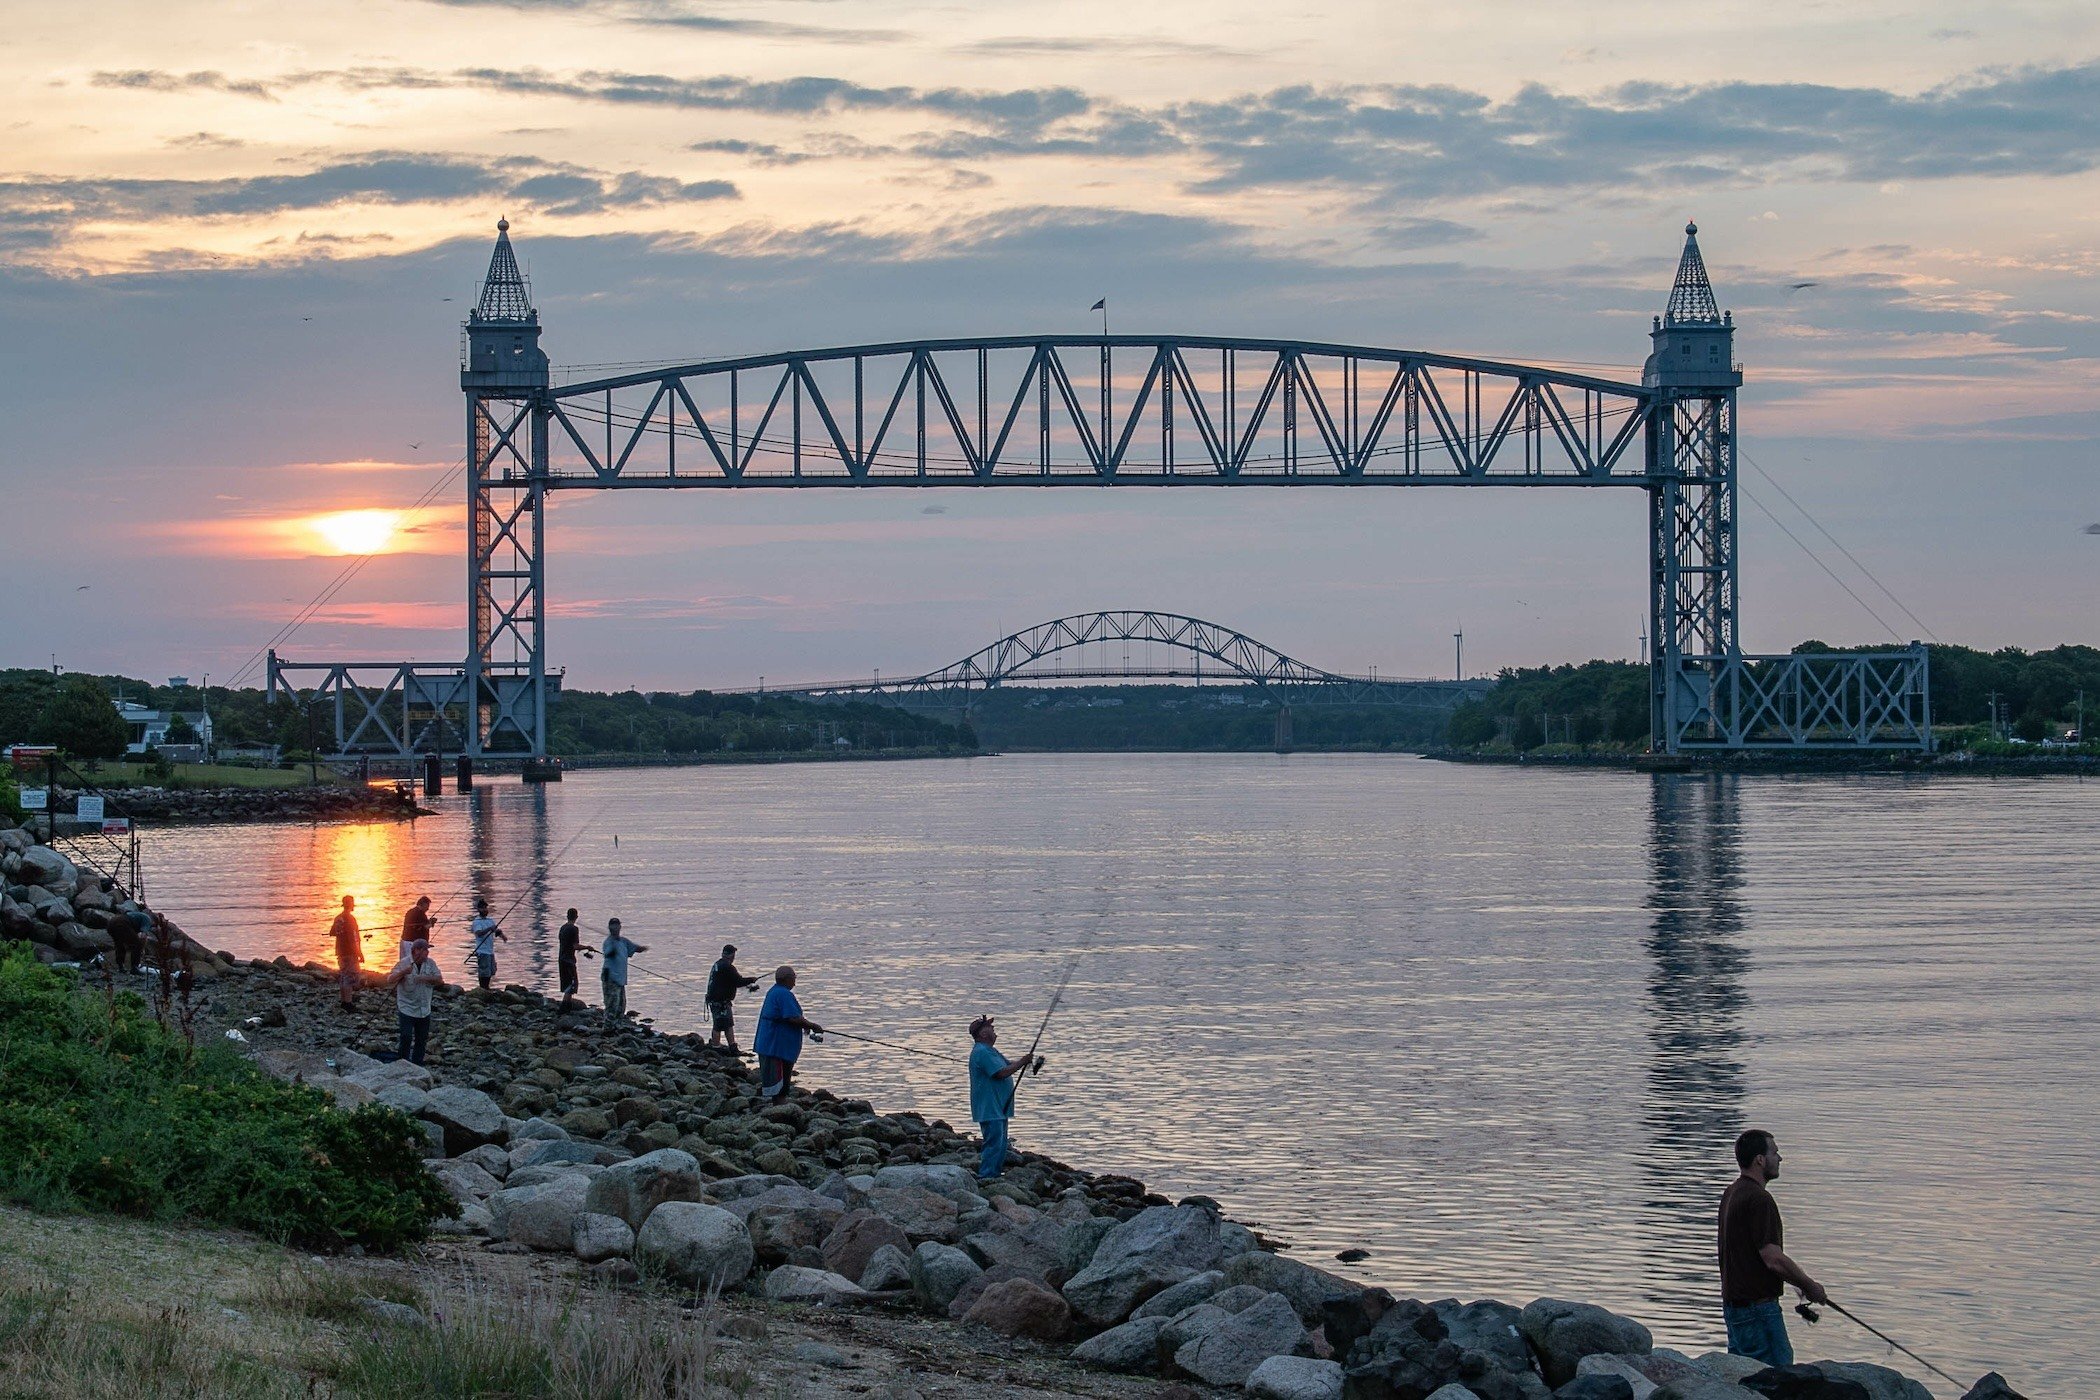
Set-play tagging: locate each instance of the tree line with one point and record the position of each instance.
(76, 712)
(2036, 695)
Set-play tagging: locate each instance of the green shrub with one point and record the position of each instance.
(102, 1109)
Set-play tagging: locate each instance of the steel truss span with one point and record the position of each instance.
(1090, 410)
(1126, 411)
(1234, 656)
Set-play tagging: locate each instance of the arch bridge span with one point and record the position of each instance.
(1235, 659)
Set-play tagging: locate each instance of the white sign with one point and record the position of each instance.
(87, 809)
(116, 826)
(35, 799)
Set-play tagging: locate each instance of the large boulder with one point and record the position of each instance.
(919, 1213)
(634, 1188)
(1132, 1346)
(1409, 1353)
(939, 1272)
(1154, 1249)
(1185, 1294)
(1880, 1382)
(941, 1178)
(468, 1117)
(1296, 1378)
(543, 1215)
(1992, 1387)
(1802, 1382)
(600, 1237)
(1562, 1333)
(45, 867)
(465, 1180)
(853, 1241)
(1493, 1329)
(1032, 1249)
(778, 1231)
(888, 1268)
(1228, 1353)
(1308, 1288)
(1082, 1238)
(1021, 1307)
(1596, 1386)
(792, 1283)
(1646, 1371)
(701, 1246)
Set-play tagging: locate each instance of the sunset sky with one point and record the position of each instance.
(236, 240)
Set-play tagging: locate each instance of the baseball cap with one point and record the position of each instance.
(978, 1025)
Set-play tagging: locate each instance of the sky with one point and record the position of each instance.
(236, 240)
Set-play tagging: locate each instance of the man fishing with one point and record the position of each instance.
(413, 980)
(723, 983)
(483, 932)
(568, 942)
(992, 1094)
(349, 953)
(779, 1039)
(612, 978)
(415, 924)
(1754, 1266)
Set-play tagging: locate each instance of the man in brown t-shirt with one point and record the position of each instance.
(349, 952)
(1754, 1266)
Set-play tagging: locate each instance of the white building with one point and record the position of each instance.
(149, 728)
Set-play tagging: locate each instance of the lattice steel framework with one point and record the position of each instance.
(1235, 658)
(1157, 411)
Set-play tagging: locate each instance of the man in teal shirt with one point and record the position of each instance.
(992, 1094)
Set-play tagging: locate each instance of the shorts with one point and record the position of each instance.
(773, 1076)
(485, 966)
(567, 968)
(722, 1017)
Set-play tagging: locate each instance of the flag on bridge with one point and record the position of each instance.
(1101, 305)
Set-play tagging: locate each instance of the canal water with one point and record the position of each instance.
(1497, 1026)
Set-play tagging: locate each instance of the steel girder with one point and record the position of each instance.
(392, 709)
(1238, 657)
(1091, 410)
(1692, 568)
(506, 574)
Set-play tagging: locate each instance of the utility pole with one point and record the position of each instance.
(1994, 714)
(2081, 719)
(1458, 665)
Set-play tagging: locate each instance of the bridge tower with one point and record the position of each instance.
(504, 374)
(1697, 659)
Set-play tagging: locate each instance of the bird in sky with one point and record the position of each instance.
(1799, 286)
(415, 447)
(83, 588)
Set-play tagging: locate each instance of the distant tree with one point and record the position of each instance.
(2032, 726)
(180, 731)
(1528, 732)
(83, 721)
(1470, 727)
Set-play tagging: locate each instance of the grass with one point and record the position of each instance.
(211, 775)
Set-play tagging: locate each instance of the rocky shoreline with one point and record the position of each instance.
(638, 1155)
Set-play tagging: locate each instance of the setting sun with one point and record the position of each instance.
(358, 531)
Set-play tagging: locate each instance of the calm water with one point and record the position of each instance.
(1498, 1027)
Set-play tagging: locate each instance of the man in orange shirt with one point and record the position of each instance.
(349, 953)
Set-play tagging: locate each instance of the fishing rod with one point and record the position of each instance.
(1809, 1313)
(687, 980)
(547, 867)
(1056, 997)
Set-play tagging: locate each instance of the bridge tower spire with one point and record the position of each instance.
(504, 375)
(1695, 677)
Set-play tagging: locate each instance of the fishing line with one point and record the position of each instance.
(1808, 1312)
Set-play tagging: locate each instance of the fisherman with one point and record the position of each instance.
(992, 1094)
(126, 931)
(567, 943)
(415, 924)
(484, 933)
(723, 983)
(349, 953)
(1754, 1267)
(413, 979)
(612, 978)
(779, 1038)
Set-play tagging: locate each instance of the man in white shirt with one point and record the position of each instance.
(612, 976)
(483, 934)
(413, 979)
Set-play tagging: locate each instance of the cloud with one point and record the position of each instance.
(154, 80)
(672, 14)
(36, 211)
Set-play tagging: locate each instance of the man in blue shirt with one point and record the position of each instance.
(992, 1094)
(612, 973)
(779, 1038)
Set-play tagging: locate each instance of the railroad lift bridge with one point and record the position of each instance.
(1125, 411)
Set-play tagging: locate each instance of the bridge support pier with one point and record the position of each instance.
(1284, 740)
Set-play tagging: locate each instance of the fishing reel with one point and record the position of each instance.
(1806, 1312)
(1036, 1067)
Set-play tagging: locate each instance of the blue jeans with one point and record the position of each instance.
(415, 1036)
(1759, 1332)
(994, 1158)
